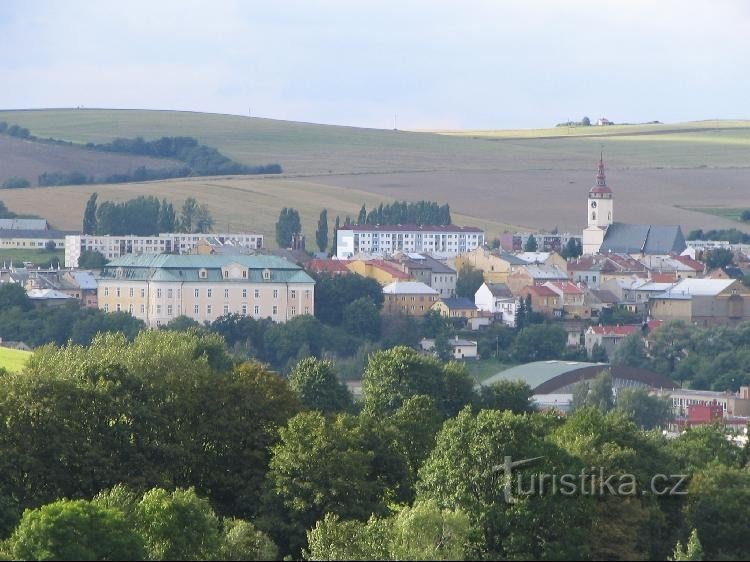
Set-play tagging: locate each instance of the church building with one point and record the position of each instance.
(604, 235)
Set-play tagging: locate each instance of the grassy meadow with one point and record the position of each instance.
(14, 360)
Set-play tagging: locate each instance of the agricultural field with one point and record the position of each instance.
(13, 360)
(732, 213)
(27, 159)
(497, 180)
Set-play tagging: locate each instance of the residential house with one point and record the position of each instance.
(462, 349)
(608, 337)
(157, 288)
(48, 297)
(382, 271)
(495, 265)
(703, 301)
(598, 300)
(456, 307)
(543, 300)
(496, 299)
(546, 258)
(412, 298)
(534, 275)
(428, 270)
(572, 298)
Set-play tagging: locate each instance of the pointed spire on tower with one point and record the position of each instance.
(600, 179)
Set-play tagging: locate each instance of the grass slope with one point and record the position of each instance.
(14, 360)
(498, 180)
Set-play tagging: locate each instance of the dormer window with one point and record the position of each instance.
(266, 274)
(203, 273)
(244, 273)
(118, 273)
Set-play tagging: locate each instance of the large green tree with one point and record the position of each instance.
(287, 227)
(89, 215)
(74, 530)
(468, 282)
(539, 342)
(321, 235)
(463, 472)
(318, 388)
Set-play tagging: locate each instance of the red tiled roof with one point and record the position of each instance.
(388, 268)
(566, 287)
(653, 324)
(690, 262)
(616, 330)
(542, 291)
(411, 227)
(327, 266)
(663, 277)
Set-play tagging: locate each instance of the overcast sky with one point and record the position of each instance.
(436, 64)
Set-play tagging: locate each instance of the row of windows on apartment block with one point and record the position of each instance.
(209, 293)
(399, 236)
(196, 309)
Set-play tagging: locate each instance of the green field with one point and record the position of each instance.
(37, 257)
(14, 360)
(724, 212)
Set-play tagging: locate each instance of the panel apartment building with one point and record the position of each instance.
(439, 241)
(165, 243)
(157, 288)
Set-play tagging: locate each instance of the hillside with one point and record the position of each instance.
(27, 159)
(496, 179)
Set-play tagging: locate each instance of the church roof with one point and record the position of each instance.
(643, 239)
(600, 186)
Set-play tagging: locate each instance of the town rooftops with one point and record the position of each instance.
(409, 288)
(499, 290)
(412, 228)
(565, 287)
(459, 303)
(550, 272)
(616, 331)
(604, 296)
(533, 257)
(47, 294)
(688, 288)
(187, 267)
(542, 291)
(643, 239)
(328, 266)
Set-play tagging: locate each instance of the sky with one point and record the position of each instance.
(423, 64)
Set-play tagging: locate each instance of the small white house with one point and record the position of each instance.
(462, 349)
(497, 299)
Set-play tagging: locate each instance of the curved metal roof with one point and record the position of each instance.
(546, 377)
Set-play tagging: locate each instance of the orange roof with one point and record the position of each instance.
(327, 266)
(616, 330)
(542, 291)
(567, 287)
(389, 268)
(690, 262)
(664, 277)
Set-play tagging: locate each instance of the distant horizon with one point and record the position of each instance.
(414, 130)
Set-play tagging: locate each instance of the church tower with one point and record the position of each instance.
(600, 203)
(599, 209)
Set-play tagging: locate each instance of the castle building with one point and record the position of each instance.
(603, 235)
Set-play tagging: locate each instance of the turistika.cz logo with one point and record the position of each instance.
(589, 482)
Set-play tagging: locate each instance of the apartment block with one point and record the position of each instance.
(384, 240)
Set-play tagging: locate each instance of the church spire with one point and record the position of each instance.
(600, 179)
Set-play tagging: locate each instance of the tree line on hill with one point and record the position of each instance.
(732, 235)
(418, 213)
(167, 447)
(198, 160)
(144, 216)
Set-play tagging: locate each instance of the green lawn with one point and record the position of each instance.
(40, 258)
(485, 368)
(13, 360)
(732, 213)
